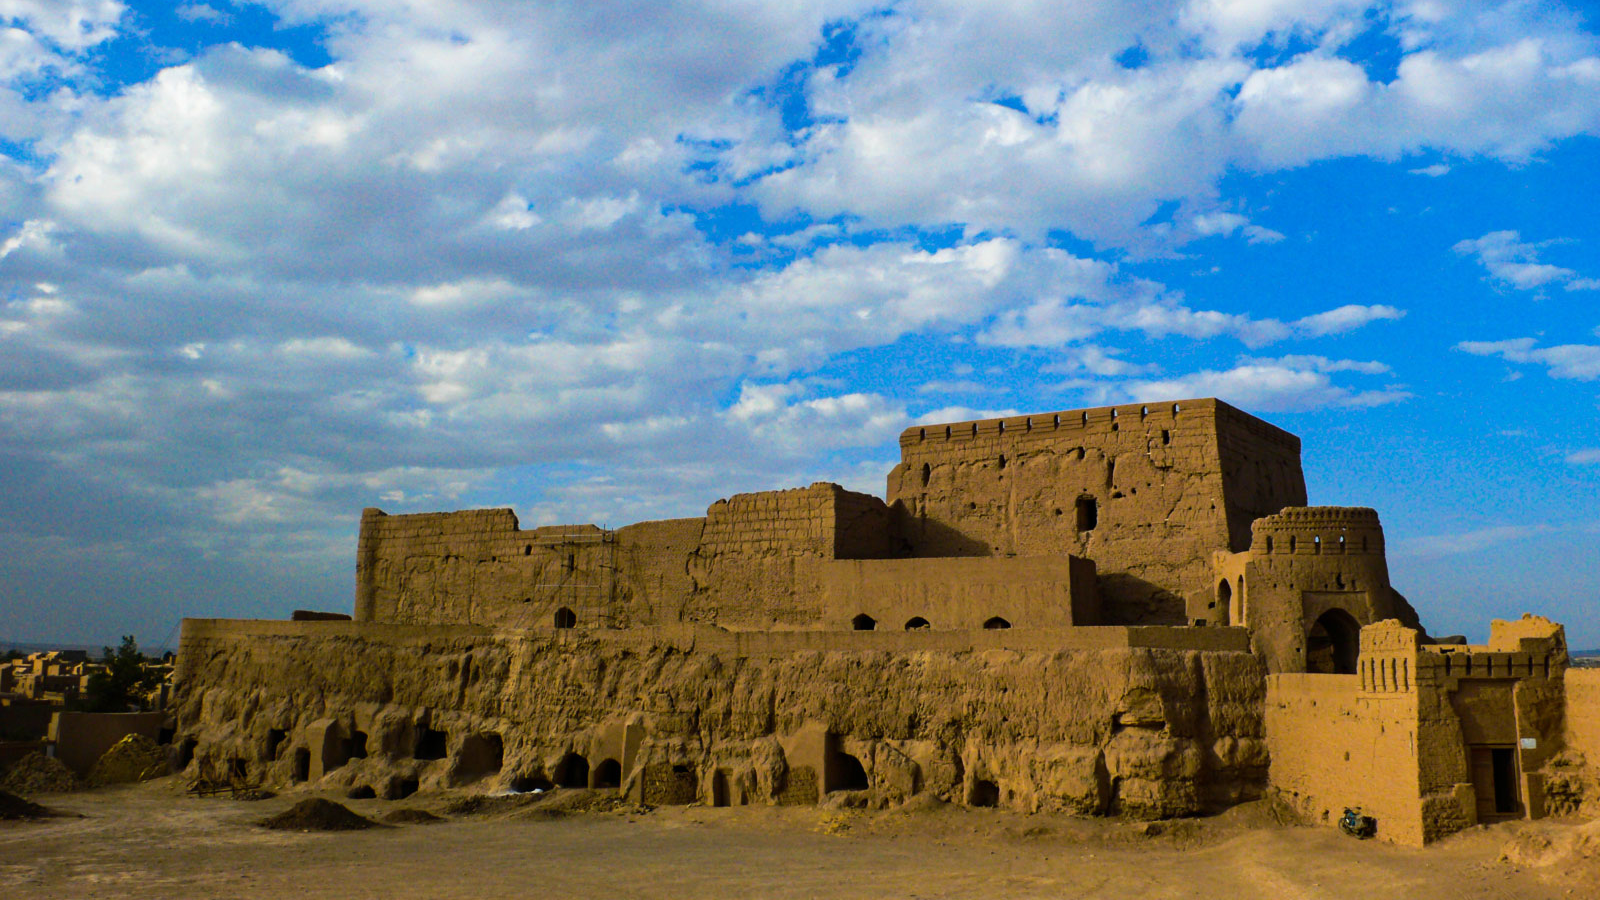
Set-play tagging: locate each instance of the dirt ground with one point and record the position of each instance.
(151, 841)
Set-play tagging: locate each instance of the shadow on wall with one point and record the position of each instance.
(923, 537)
(1130, 600)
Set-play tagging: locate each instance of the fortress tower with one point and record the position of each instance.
(1148, 492)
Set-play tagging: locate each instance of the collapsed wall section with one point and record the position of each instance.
(1076, 719)
(1148, 492)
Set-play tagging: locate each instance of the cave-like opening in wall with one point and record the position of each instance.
(863, 622)
(995, 622)
(572, 771)
(608, 774)
(565, 618)
(1223, 606)
(917, 623)
(1333, 644)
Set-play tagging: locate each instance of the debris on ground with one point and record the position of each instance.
(134, 758)
(40, 774)
(557, 804)
(1537, 847)
(410, 816)
(489, 804)
(13, 808)
(317, 814)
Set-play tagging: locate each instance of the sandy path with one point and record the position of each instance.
(147, 841)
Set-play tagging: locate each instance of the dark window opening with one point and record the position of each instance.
(927, 473)
(566, 618)
(917, 623)
(430, 743)
(1002, 461)
(572, 562)
(1316, 544)
(275, 742)
(1334, 644)
(1166, 436)
(1269, 543)
(1088, 513)
(572, 771)
(983, 793)
(608, 774)
(719, 788)
(356, 746)
(995, 623)
(1224, 601)
(922, 434)
(527, 550)
(863, 622)
(302, 765)
(1291, 543)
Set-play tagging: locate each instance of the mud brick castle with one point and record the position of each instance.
(1124, 610)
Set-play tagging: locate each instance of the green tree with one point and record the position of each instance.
(123, 684)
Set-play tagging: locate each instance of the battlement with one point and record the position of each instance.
(1312, 530)
(1200, 415)
(1394, 660)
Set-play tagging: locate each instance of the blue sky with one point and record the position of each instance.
(264, 264)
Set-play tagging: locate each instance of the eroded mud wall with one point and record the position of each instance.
(1004, 718)
(1148, 492)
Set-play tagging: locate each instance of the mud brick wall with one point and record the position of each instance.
(479, 567)
(760, 556)
(1168, 484)
(1072, 719)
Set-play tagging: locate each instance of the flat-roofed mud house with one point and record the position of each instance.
(1122, 610)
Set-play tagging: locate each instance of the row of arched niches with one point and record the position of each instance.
(864, 622)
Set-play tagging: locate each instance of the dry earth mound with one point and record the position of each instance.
(13, 807)
(1564, 847)
(490, 804)
(569, 802)
(412, 817)
(317, 814)
(40, 774)
(132, 759)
